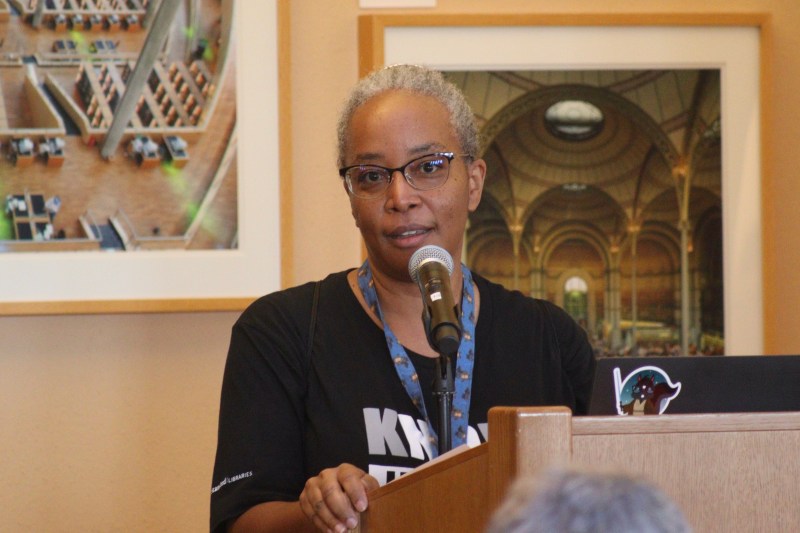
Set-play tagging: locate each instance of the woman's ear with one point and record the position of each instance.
(477, 175)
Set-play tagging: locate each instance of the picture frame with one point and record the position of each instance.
(39, 283)
(737, 44)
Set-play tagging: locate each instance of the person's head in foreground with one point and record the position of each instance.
(574, 501)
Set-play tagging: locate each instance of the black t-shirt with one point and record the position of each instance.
(285, 415)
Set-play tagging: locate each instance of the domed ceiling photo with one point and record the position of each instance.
(603, 195)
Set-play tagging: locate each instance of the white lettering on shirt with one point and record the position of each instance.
(383, 430)
(231, 479)
(385, 474)
(417, 435)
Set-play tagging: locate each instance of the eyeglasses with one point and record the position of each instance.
(423, 173)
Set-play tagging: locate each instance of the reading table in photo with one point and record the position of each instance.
(29, 217)
(176, 150)
(21, 151)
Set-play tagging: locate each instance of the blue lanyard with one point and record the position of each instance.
(405, 368)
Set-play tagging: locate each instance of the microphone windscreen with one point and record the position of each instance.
(429, 253)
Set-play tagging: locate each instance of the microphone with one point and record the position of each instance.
(430, 267)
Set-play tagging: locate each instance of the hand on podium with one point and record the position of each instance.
(333, 499)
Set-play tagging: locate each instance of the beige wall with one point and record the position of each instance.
(108, 422)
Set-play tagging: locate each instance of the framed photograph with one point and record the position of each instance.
(211, 277)
(732, 45)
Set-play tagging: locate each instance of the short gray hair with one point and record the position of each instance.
(572, 501)
(420, 80)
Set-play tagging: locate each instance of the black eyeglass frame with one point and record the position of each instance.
(402, 169)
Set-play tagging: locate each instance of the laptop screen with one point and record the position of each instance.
(695, 384)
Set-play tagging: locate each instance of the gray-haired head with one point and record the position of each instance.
(571, 501)
(419, 80)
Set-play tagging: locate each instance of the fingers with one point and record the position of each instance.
(333, 499)
(356, 483)
(315, 506)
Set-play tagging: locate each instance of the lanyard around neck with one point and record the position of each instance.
(459, 415)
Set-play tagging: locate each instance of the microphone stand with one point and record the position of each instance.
(443, 390)
(445, 341)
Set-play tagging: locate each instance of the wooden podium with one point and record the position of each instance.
(728, 472)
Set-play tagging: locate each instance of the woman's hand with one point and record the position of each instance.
(333, 499)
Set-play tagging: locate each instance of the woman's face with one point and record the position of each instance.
(390, 130)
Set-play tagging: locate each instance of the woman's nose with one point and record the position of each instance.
(400, 195)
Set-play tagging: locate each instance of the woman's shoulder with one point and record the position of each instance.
(499, 299)
(297, 300)
(498, 295)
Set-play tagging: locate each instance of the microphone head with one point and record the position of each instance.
(426, 254)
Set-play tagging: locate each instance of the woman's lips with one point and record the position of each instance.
(408, 235)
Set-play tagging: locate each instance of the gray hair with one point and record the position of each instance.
(419, 80)
(570, 501)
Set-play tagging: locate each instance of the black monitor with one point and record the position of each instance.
(695, 384)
